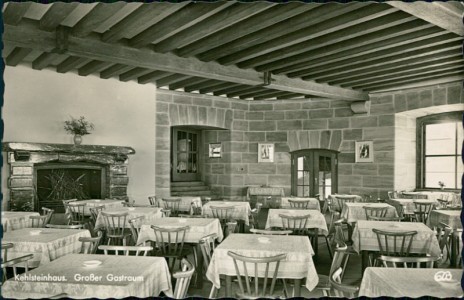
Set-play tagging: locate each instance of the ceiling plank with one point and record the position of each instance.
(44, 60)
(200, 85)
(258, 93)
(14, 12)
(93, 67)
(94, 49)
(17, 55)
(165, 81)
(242, 91)
(235, 88)
(114, 70)
(215, 87)
(100, 13)
(180, 20)
(435, 14)
(142, 18)
(186, 82)
(258, 22)
(70, 63)
(134, 73)
(272, 95)
(429, 82)
(152, 77)
(225, 18)
(228, 52)
(56, 14)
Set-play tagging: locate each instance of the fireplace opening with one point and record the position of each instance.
(57, 182)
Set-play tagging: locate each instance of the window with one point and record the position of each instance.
(441, 138)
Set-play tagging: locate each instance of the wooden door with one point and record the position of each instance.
(185, 154)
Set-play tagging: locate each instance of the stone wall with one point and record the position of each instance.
(303, 124)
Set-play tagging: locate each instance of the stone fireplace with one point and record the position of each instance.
(38, 170)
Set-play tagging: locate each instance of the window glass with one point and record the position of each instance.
(440, 138)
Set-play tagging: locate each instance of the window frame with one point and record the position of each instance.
(421, 123)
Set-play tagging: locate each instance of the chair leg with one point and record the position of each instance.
(213, 293)
(328, 247)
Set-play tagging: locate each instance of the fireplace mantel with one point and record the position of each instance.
(23, 159)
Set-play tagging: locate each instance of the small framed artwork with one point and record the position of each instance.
(215, 150)
(265, 152)
(364, 151)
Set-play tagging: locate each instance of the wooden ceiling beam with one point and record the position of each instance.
(100, 13)
(258, 93)
(17, 55)
(165, 81)
(200, 85)
(93, 67)
(242, 91)
(182, 19)
(216, 87)
(142, 18)
(70, 63)
(56, 14)
(258, 22)
(44, 60)
(225, 18)
(232, 89)
(114, 70)
(94, 49)
(186, 82)
(290, 96)
(134, 73)
(282, 30)
(370, 52)
(310, 38)
(429, 82)
(153, 77)
(14, 12)
(397, 35)
(433, 13)
(275, 94)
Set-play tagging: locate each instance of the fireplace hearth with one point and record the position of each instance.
(41, 175)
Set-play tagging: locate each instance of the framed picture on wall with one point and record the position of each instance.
(215, 150)
(265, 152)
(364, 151)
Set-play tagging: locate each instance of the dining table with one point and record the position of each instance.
(313, 202)
(297, 265)
(185, 204)
(106, 203)
(149, 213)
(352, 212)
(46, 244)
(241, 212)
(408, 205)
(13, 220)
(433, 195)
(450, 217)
(316, 218)
(411, 283)
(365, 240)
(114, 277)
(197, 228)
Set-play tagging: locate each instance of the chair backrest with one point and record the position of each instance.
(153, 201)
(94, 211)
(338, 236)
(340, 202)
(49, 213)
(195, 208)
(299, 204)
(38, 221)
(207, 246)
(183, 278)
(231, 227)
(396, 243)
(297, 224)
(408, 262)
(339, 259)
(5, 248)
(253, 220)
(89, 244)
(443, 203)
(271, 232)
(172, 204)
(223, 213)
(115, 223)
(375, 211)
(75, 226)
(135, 225)
(126, 250)
(393, 195)
(339, 289)
(443, 234)
(170, 241)
(77, 212)
(166, 212)
(385, 219)
(422, 210)
(14, 263)
(256, 268)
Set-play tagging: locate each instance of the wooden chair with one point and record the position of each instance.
(224, 214)
(89, 244)
(271, 232)
(378, 212)
(205, 200)
(444, 233)
(77, 213)
(126, 250)
(422, 211)
(195, 208)
(94, 211)
(67, 211)
(297, 224)
(337, 289)
(207, 246)
(457, 237)
(76, 226)
(250, 267)
(386, 219)
(299, 204)
(442, 203)
(340, 202)
(38, 221)
(393, 195)
(172, 204)
(21, 262)
(408, 262)
(166, 212)
(49, 213)
(170, 242)
(153, 201)
(397, 243)
(135, 225)
(115, 227)
(253, 219)
(183, 279)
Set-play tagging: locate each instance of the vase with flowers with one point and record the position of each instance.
(442, 185)
(78, 127)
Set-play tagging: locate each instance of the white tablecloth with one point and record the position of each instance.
(336, 202)
(144, 277)
(13, 220)
(198, 228)
(352, 212)
(408, 204)
(313, 202)
(185, 204)
(149, 213)
(242, 210)
(298, 263)
(450, 217)
(316, 219)
(107, 203)
(413, 283)
(47, 246)
(424, 241)
(434, 195)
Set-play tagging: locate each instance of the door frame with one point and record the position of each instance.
(175, 177)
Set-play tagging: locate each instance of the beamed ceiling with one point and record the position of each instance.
(253, 51)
